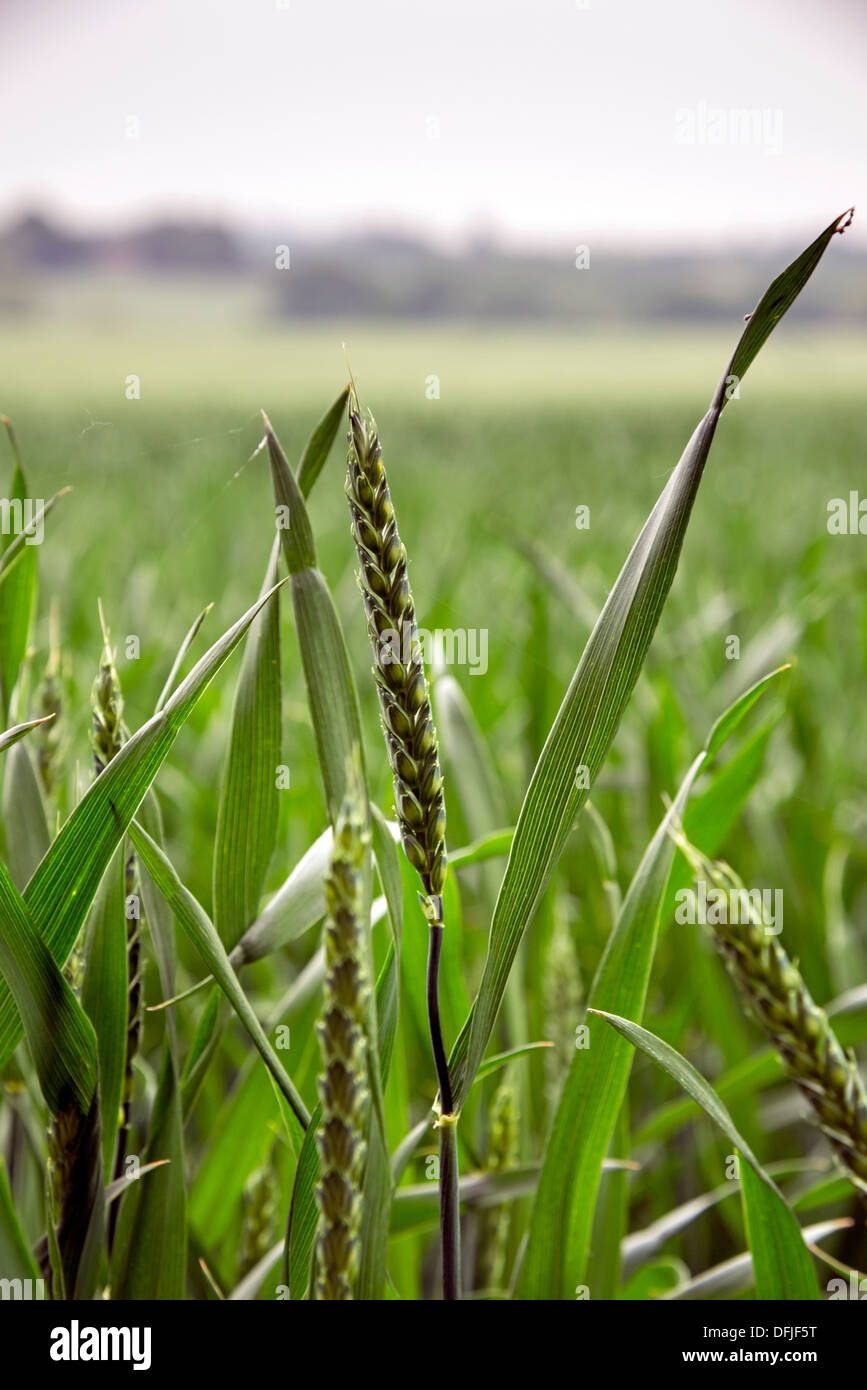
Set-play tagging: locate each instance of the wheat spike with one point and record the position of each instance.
(108, 735)
(779, 1000)
(342, 1085)
(404, 698)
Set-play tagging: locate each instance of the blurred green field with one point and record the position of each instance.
(169, 512)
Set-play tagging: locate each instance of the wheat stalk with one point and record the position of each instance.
(408, 724)
(74, 1172)
(108, 735)
(411, 741)
(342, 1086)
(779, 1000)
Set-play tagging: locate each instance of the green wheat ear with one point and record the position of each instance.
(411, 741)
(782, 1005)
(108, 735)
(342, 1085)
(404, 698)
(49, 702)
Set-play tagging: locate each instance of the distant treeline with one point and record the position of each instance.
(397, 276)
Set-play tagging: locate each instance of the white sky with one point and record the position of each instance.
(556, 123)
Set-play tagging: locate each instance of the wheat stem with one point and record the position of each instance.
(108, 735)
(75, 1173)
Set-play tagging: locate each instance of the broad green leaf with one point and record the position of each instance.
(59, 1035)
(207, 1039)
(26, 829)
(779, 297)
(467, 760)
(735, 713)
(331, 693)
(416, 1206)
(502, 1059)
(493, 846)
(554, 1263)
(602, 844)
(642, 1245)
(294, 908)
(202, 932)
(249, 799)
(157, 914)
(830, 1188)
(60, 892)
(238, 1140)
(179, 659)
(603, 1274)
(654, 1279)
(298, 905)
(319, 445)
(149, 1257)
(762, 1069)
(476, 797)
(376, 1201)
(19, 593)
(691, 1081)
(555, 1260)
(735, 1275)
(387, 858)
(16, 1260)
(248, 1288)
(603, 682)
(782, 1265)
(639, 1246)
(16, 552)
(63, 1046)
(10, 736)
(303, 1215)
(115, 1190)
(408, 1145)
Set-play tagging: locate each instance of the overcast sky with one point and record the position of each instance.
(545, 121)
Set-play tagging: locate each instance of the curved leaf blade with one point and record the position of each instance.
(249, 800)
(590, 713)
(62, 888)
